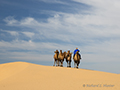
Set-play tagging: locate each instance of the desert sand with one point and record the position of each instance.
(28, 76)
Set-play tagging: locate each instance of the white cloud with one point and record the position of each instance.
(54, 1)
(104, 12)
(29, 21)
(32, 46)
(10, 20)
(95, 52)
(29, 34)
(29, 50)
(87, 26)
(13, 33)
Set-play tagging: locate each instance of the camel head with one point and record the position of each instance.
(56, 51)
(68, 51)
(65, 53)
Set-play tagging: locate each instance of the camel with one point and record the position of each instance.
(61, 57)
(76, 59)
(68, 58)
(56, 58)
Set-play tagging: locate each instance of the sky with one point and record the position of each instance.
(31, 30)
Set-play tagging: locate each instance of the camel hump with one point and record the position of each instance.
(77, 57)
(68, 58)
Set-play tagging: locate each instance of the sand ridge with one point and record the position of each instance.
(28, 76)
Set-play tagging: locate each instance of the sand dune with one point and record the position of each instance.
(27, 76)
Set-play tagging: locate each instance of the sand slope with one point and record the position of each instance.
(27, 76)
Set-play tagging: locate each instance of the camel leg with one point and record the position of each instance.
(57, 62)
(78, 63)
(69, 63)
(74, 64)
(54, 63)
(61, 63)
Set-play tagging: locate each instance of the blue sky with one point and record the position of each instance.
(31, 30)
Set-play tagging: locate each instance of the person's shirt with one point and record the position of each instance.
(76, 51)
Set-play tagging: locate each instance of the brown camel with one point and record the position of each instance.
(68, 58)
(61, 57)
(76, 59)
(56, 57)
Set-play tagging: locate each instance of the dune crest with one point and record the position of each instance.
(28, 76)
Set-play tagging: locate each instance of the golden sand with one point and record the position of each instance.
(27, 76)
